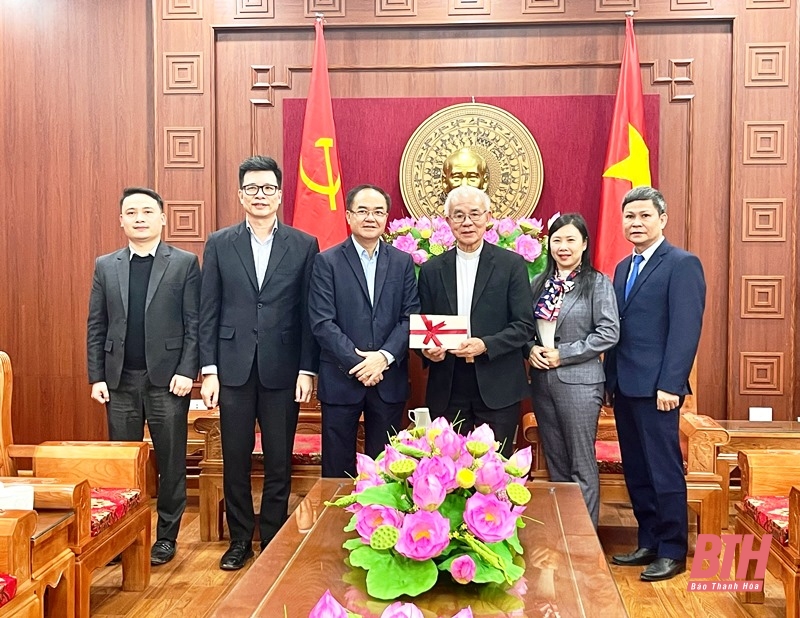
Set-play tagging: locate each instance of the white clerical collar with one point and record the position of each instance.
(472, 255)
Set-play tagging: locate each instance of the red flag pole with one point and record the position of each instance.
(627, 163)
(319, 200)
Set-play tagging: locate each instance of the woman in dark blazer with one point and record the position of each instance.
(576, 321)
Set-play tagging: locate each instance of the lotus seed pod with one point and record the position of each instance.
(518, 494)
(477, 449)
(384, 537)
(403, 468)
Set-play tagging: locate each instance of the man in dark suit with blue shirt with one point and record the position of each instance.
(661, 295)
(362, 292)
(257, 353)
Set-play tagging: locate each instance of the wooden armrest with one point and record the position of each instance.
(530, 428)
(55, 494)
(103, 464)
(701, 437)
(769, 472)
(16, 529)
(209, 427)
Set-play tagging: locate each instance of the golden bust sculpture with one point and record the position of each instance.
(464, 167)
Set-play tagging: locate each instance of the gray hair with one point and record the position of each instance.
(646, 193)
(465, 192)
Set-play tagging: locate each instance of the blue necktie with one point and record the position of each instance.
(637, 262)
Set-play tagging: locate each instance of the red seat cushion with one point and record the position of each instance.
(110, 505)
(771, 513)
(8, 588)
(307, 449)
(609, 460)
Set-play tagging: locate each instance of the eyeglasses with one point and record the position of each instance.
(363, 213)
(474, 216)
(252, 190)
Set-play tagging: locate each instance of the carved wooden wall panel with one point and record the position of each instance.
(728, 167)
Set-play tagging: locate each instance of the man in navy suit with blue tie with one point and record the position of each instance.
(661, 295)
(361, 294)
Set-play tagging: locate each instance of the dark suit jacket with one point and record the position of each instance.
(501, 315)
(236, 316)
(659, 324)
(343, 319)
(170, 320)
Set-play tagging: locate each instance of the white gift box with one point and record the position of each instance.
(434, 331)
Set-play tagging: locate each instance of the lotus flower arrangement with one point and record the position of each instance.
(435, 501)
(425, 238)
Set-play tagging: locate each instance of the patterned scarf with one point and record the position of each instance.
(549, 304)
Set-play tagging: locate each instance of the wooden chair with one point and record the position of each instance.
(103, 465)
(771, 504)
(16, 528)
(701, 437)
(306, 470)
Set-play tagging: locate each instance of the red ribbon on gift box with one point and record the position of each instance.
(435, 329)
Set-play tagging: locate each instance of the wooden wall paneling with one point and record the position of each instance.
(74, 132)
(763, 342)
(184, 162)
(701, 164)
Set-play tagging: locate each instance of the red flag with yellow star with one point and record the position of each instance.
(319, 201)
(627, 159)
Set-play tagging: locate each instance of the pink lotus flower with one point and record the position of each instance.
(424, 224)
(440, 467)
(405, 242)
(365, 466)
(401, 224)
(402, 610)
(372, 516)
(489, 518)
(520, 462)
(491, 475)
(443, 236)
(529, 248)
(491, 236)
(450, 444)
(428, 493)
(464, 613)
(505, 227)
(423, 535)
(463, 569)
(420, 256)
(328, 607)
(483, 434)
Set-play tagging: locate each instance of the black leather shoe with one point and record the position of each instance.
(663, 568)
(236, 556)
(162, 552)
(641, 557)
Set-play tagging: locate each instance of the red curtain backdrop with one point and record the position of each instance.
(571, 131)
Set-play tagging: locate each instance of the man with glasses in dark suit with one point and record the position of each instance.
(362, 292)
(257, 352)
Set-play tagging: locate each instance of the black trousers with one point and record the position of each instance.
(276, 412)
(132, 403)
(466, 407)
(649, 441)
(340, 430)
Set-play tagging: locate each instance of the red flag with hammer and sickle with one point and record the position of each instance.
(319, 201)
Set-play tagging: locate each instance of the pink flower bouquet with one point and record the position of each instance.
(435, 501)
(425, 238)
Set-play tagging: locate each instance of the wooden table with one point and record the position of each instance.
(566, 567)
(757, 435)
(53, 563)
